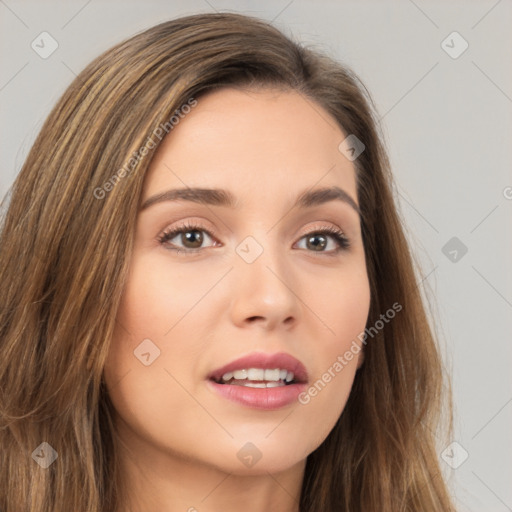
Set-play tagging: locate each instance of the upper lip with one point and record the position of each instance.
(280, 360)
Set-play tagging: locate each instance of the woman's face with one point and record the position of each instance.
(256, 278)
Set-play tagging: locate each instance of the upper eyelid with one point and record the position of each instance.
(192, 225)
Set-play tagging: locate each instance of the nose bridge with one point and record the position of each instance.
(257, 254)
(263, 275)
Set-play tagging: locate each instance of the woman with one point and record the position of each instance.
(208, 299)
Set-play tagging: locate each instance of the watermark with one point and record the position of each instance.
(45, 455)
(159, 132)
(351, 147)
(249, 249)
(44, 45)
(249, 454)
(454, 45)
(454, 455)
(454, 249)
(146, 352)
(343, 360)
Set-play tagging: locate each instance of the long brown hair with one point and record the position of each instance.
(65, 248)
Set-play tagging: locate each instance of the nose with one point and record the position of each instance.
(263, 292)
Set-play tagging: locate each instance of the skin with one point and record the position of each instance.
(179, 439)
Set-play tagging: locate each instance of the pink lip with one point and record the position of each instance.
(262, 398)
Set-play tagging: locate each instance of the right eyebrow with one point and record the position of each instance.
(215, 197)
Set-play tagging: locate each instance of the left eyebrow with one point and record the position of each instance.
(319, 196)
(221, 197)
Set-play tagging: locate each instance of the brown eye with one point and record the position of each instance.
(318, 241)
(193, 237)
(190, 237)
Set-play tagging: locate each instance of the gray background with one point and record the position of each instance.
(448, 127)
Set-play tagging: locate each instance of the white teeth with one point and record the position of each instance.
(240, 374)
(273, 377)
(255, 374)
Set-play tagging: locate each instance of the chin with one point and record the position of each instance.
(258, 457)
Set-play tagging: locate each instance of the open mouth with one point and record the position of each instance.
(258, 378)
(260, 381)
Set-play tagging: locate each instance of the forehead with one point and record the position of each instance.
(253, 141)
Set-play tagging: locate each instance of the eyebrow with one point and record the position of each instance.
(221, 197)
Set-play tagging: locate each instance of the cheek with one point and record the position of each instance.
(167, 306)
(154, 299)
(343, 307)
(342, 303)
(151, 320)
(147, 322)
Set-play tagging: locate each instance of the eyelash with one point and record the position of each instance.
(342, 241)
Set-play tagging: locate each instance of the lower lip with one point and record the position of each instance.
(260, 398)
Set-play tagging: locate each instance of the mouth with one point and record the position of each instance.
(261, 381)
(258, 378)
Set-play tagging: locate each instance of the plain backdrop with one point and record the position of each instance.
(446, 112)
